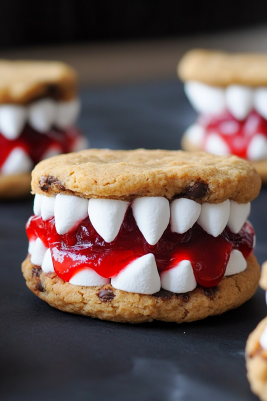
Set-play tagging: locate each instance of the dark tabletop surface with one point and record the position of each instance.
(46, 354)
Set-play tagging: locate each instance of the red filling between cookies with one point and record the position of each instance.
(236, 134)
(37, 144)
(84, 248)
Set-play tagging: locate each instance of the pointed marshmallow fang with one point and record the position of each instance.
(179, 279)
(214, 217)
(237, 263)
(238, 215)
(184, 214)
(69, 212)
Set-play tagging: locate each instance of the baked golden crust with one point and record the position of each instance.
(24, 81)
(15, 186)
(218, 68)
(119, 306)
(260, 165)
(256, 361)
(103, 173)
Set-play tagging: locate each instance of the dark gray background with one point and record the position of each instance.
(50, 355)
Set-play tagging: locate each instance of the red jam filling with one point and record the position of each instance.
(36, 144)
(236, 134)
(84, 248)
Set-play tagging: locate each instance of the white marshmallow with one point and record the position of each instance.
(88, 278)
(204, 98)
(216, 145)
(67, 113)
(48, 206)
(38, 252)
(31, 246)
(239, 100)
(229, 127)
(140, 276)
(238, 215)
(179, 279)
(236, 264)
(12, 120)
(106, 216)
(257, 148)
(37, 204)
(195, 134)
(47, 265)
(69, 212)
(152, 216)
(184, 214)
(80, 144)
(18, 162)
(42, 114)
(260, 101)
(214, 217)
(51, 152)
(263, 339)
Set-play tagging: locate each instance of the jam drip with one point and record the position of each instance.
(236, 134)
(36, 144)
(84, 248)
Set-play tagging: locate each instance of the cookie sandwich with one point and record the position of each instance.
(132, 236)
(229, 91)
(256, 351)
(38, 109)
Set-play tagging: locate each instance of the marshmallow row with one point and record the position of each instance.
(140, 276)
(152, 215)
(256, 150)
(41, 115)
(238, 99)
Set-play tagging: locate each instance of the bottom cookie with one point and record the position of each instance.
(15, 186)
(108, 303)
(260, 165)
(256, 361)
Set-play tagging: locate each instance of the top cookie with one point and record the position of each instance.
(24, 81)
(263, 279)
(103, 173)
(223, 69)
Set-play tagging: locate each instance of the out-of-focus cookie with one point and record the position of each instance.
(133, 236)
(38, 109)
(256, 351)
(229, 93)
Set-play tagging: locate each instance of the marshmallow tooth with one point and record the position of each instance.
(184, 214)
(179, 279)
(214, 217)
(69, 212)
(239, 100)
(42, 114)
(67, 113)
(257, 148)
(260, 101)
(195, 134)
(263, 339)
(48, 206)
(106, 216)
(12, 120)
(216, 145)
(152, 216)
(88, 278)
(17, 162)
(140, 276)
(204, 98)
(47, 265)
(37, 204)
(238, 215)
(38, 252)
(236, 264)
(31, 246)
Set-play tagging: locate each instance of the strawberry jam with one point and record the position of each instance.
(84, 248)
(236, 134)
(36, 144)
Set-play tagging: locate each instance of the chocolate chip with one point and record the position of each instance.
(106, 295)
(39, 287)
(210, 292)
(46, 182)
(185, 297)
(36, 271)
(196, 191)
(163, 294)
